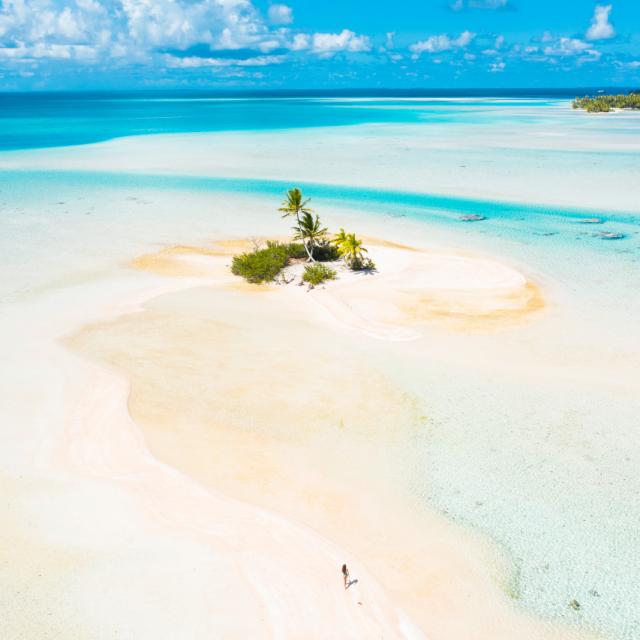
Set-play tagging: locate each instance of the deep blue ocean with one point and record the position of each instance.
(36, 120)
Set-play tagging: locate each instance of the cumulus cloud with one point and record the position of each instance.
(601, 28)
(280, 14)
(301, 41)
(442, 42)
(328, 44)
(569, 47)
(553, 48)
(173, 33)
(133, 29)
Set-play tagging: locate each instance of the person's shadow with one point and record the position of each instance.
(354, 581)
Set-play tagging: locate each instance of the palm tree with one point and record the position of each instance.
(350, 247)
(310, 231)
(339, 239)
(294, 205)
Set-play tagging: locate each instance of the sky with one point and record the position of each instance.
(318, 44)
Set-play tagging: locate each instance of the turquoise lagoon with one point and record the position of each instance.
(544, 464)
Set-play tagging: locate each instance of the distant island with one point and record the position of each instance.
(605, 103)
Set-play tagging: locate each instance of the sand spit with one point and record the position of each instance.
(111, 541)
(411, 289)
(315, 433)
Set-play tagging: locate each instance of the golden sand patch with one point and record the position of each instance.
(170, 261)
(469, 312)
(268, 406)
(192, 261)
(275, 411)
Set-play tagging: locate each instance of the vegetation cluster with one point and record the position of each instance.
(317, 273)
(264, 264)
(311, 242)
(604, 103)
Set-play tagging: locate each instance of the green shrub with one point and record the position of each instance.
(362, 263)
(263, 265)
(326, 252)
(295, 250)
(315, 274)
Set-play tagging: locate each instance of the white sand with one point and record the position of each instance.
(260, 567)
(132, 547)
(412, 288)
(149, 553)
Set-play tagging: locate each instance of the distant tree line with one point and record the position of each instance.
(604, 103)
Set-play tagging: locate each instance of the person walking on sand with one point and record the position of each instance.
(345, 576)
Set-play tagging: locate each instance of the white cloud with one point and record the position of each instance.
(633, 64)
(554, 48)
(301, 41)
(125, 31)
(280, 14)
(68, 25)
(497, 67)
(193, 62)
(464, 39)
(601, 28)
(49, 51)
(42, 21)
(327, 44)
(135, 29)
(442, 42)
(432, 44)
(568, 47)
(495, 50)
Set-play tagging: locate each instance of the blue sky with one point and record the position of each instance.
(94, 44)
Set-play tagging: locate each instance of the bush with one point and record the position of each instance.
(315, 274)
(362, 264)
(263, 265)
(326, 252)
(295, 250)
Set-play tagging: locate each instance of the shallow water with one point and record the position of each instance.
(535, 444)
(55, 119)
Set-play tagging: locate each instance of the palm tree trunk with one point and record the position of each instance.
(304, 242)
